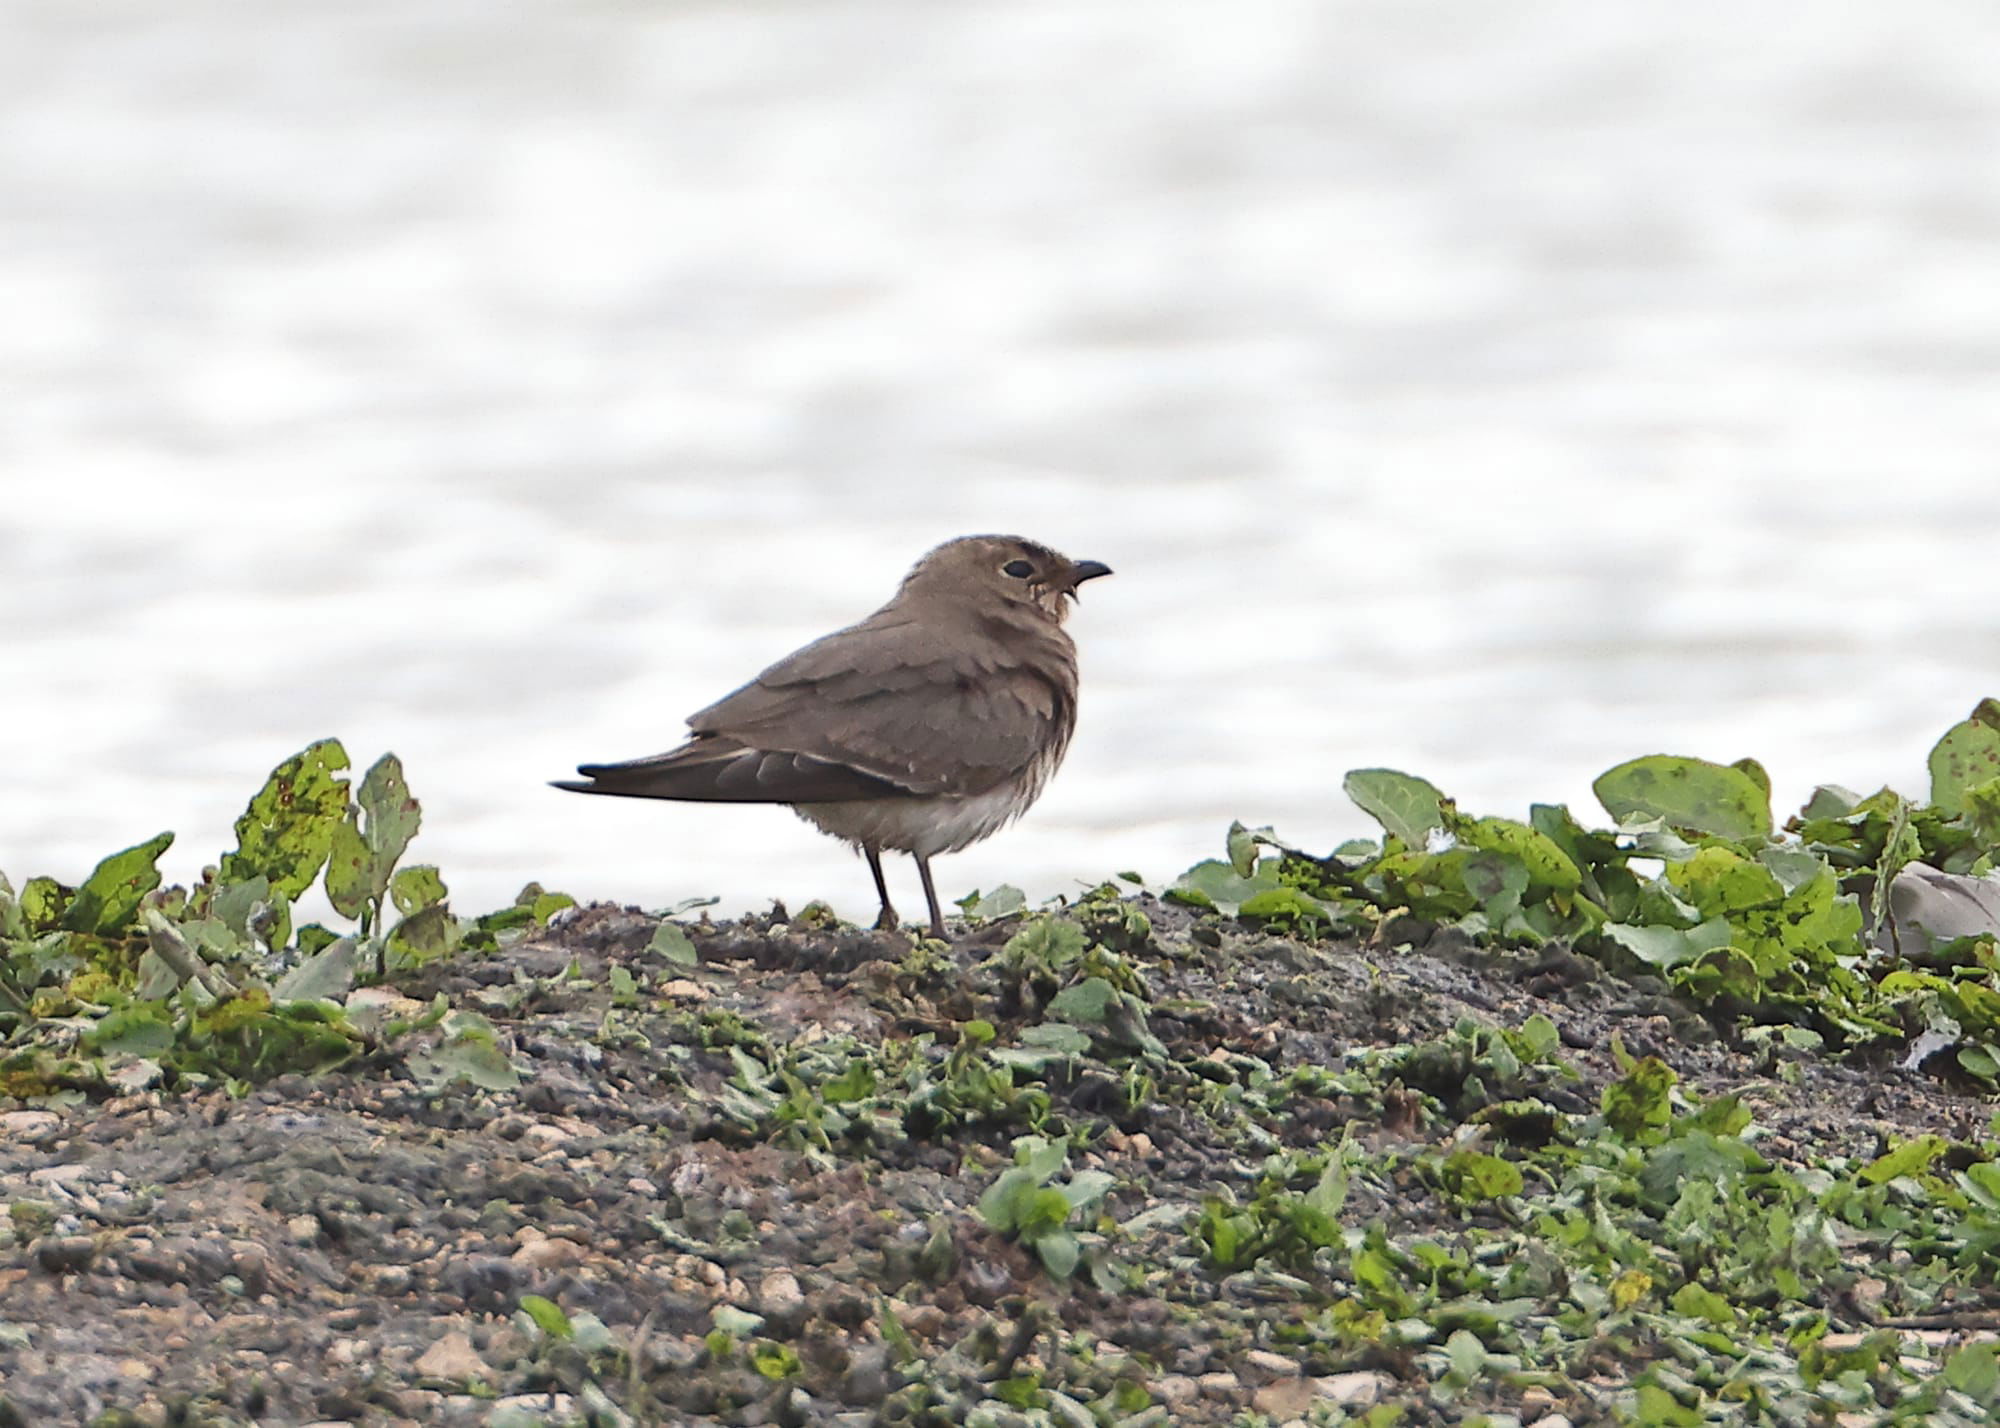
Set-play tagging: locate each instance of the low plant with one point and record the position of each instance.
(1034, 1204)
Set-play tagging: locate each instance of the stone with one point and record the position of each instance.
(778, 1294)
(1362, 1389)
(547, 1254)
(1287, 1398)
(1220, 1385)
(28, 1123)
(454, 1359)
(1266, 1367)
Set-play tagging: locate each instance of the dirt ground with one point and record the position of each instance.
(355, 1247)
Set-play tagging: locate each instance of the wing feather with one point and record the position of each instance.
(930, 708)
(891, 707)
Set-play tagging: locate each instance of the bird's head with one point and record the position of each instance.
(1001, 572)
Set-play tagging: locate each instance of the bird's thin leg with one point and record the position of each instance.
(887, 921)
(930, 895)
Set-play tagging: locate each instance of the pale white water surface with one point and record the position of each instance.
(1491, 391)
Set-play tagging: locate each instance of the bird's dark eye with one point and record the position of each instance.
(1019, 569)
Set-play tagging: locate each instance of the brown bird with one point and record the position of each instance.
(932, 724)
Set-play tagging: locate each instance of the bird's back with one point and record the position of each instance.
(950, 702)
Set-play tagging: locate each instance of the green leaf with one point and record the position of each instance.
(350, 869)
(1974, 1371)
(1003, 901)
(372, 836)
(426, 935)
(139, 1030)
(1913, 1157)
(1756, 774)
(1477, 1176)
(1668, 947)
(1043, 1210)
(1218, 885)
(1023, 1391)
(544, 905)
(1699, 1303)
(547, 1316)
(775, 1361)
(254, 912)
(1086, 1188)
(109, 898)
(1830, 800)
(415, 888)
(1982, 811)
(1466, 1355)
(855, 1083)
(1329, 1192)
(1541, 1038)
(1980, 1063)
(1407, 807)
(1687, 793)
(286, 831)
(1549, 867)
(393, 815)
(1086, 1003)
(1701, 1156)
(1968, 755)
(156, 979)
(1640, 1101)
(1720, 880)
(327, 975)
(1242, 844)
(1059, 1251)
(1047, 942)
(469, 1056)
(1375, 1272)
(1041, 1158)
(42, 903)
(1654, 1407)
(1497, 881)
(1004, 1203)
(1057, 1037)
(313, 938)
(1284, 904)
(671, 941)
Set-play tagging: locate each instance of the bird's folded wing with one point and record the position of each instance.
(928, 710)
(720, 770)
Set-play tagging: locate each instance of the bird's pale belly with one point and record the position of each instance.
(925, 826)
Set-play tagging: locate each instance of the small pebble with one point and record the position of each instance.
(1269, 1365)
(1220, 1385)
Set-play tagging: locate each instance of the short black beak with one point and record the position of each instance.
(1083, 570)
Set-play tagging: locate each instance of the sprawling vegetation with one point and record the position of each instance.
(1788, 928)
(1481, 1120)
(120, 984)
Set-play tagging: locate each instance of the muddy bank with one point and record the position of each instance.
(1308, 1181)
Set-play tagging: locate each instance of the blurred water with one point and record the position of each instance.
(1495, 392)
